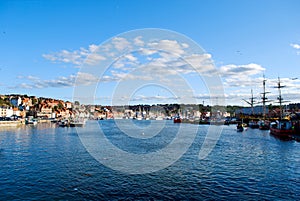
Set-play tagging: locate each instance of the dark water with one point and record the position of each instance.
(49, 163)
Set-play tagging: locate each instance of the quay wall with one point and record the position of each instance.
(10, 123)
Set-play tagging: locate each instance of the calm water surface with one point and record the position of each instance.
(50, 163)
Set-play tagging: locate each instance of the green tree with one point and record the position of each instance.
(60, 106)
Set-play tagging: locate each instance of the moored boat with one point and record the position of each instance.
(239, 127)
(177, 119)
(31, 121)
(263, 125)
(77, 124)
(282, 129)
(63, 123)
(253, 124)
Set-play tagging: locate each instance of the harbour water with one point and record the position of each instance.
(46, 162)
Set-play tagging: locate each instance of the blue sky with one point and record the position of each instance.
(43, 44)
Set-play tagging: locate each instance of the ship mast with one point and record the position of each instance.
(280, 99)
(264, 98)
(251, 102)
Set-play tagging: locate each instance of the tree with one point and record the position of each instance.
(34, 101)
(60, 106)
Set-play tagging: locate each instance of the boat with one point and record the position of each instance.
(77, 123)
(159, 118)
(31, 121)
(239, 127)
(253, 124)
(263, 124)
(177, 119)
(283, 129)
(251, 102)
(63, 123)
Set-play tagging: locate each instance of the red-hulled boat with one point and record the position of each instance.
(177, 119)
(283, 129)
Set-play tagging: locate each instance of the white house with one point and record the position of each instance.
(6, 112)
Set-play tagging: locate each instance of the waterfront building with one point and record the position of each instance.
(6, 112)
(16, 101)
(68, 105)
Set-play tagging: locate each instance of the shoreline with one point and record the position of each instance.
(10, 123)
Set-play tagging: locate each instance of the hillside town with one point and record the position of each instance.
(15, 106)
(21, 107)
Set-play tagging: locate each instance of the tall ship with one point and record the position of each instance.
(252, 122)
(284, 127)
(263, 123)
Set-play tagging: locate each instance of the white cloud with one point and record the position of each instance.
(200, 62)
(241, 70)
(121, 43)
(65, 56)
(79, 79)
(295, 46)
(147, 51)
(85, 78)
(94, 58)
(138, 41)
(184, 45)
(93, 48)
(77, 57)
(169, 46)
(130, 57)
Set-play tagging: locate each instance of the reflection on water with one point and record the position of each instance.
(46, 162)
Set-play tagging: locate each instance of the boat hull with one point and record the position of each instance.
(177, 120)
(253, 125)
(240, 129)
(76, 124)
(282, 133)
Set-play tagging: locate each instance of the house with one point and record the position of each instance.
(45, 111)
(27, 103)
(16, 112)
(6, 112)
(63, 113)
(16, 101)
(68, 105)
